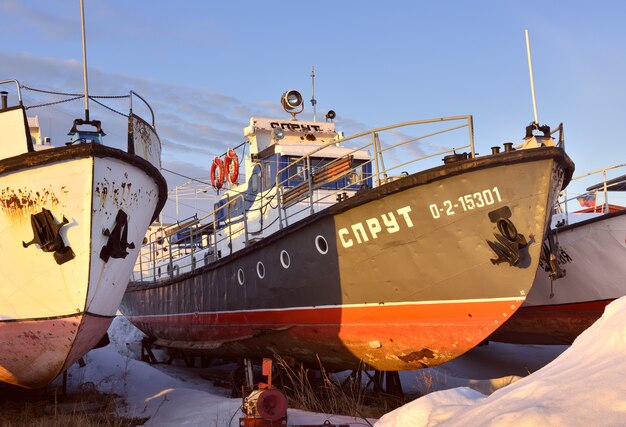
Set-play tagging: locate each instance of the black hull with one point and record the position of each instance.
(403, 278)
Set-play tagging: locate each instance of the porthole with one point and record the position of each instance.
(240, 277)
(159, 272)
(321, 244)
(284, 259)
(260, 270)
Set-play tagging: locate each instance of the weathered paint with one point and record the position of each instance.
(39, 350)
(22, 202)
(550, 324)
(92, 328)
(34, 351)
(385, 337)
(33, 287)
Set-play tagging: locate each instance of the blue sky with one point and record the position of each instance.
(207, 66)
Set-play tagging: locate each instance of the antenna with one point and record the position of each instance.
(532, 82)
(82, 22)
(313, 100)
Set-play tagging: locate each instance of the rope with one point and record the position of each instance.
(47, 104)
(75, 96)
(184, 176)
(50, 92)
(108, 108)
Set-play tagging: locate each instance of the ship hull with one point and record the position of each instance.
(593, 253)
(55, 305)
(398, 277)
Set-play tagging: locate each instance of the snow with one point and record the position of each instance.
(585, 385)
(493, 385)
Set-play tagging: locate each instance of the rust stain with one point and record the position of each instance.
(417, 356)
(22, 202)
(120, 194)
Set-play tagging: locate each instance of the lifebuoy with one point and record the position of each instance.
(217, 180)
(231, 161)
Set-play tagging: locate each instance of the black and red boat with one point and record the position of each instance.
(353, 249)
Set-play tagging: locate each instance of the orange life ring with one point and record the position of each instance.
(217, 180)
(231, 160)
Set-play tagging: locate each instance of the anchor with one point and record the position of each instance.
(509, 242)
(117, 244)
(553, 263)
(47, 236)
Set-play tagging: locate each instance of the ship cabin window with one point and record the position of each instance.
(360, 174)
(269, 175)
(267, 171)
(188, 237)
(253, 183)
(228, 210)
(221, 212)
(296, 172)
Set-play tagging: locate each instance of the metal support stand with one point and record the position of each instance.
(249, 374)
(387, 382)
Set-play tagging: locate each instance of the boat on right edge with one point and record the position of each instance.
(590, 246)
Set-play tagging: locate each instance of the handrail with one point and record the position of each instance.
(132, 92)
(228, 227)
(598, 171)
(19, 90)
(381, 172)
(381, 129)
(605, 189)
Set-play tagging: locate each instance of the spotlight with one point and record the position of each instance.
(291, 100)
(279, 134)
(330, 115)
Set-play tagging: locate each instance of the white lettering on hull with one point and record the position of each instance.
(362, 233)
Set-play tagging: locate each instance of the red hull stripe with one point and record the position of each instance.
(34, 352)
(577, 309)
(346, 308)
(479, 314)
(386, 337)
(550, 324)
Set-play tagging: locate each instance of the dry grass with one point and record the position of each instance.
(47, 408)
(317, 391)
(427, 380)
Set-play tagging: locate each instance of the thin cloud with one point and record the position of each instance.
(19, 17)
(193, 124)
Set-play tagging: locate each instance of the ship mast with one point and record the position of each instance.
(532, 81)
(82, 22)
(313, 100)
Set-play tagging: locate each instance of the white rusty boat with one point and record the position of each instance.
(72, 220)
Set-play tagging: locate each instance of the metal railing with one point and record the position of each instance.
(381, 174)
(18, 88)
(143, 141)
(353, 164)
(591, 193)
